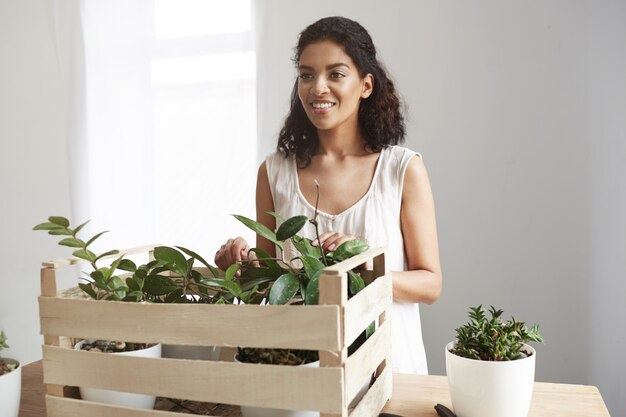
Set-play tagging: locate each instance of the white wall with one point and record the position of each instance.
(33, 166)
(519, 109)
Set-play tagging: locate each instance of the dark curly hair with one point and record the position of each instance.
(380, 115)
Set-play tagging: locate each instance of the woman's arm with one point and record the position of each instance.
(264, 203)
(422, 281)
(236, 249)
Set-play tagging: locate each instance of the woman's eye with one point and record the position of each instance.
(337, 75)
(305, 76)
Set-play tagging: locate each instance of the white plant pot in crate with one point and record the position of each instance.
(122, 398)
(490, 388)
(10, 390)
(206, 353)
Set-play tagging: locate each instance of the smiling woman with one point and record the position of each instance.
(340, 135)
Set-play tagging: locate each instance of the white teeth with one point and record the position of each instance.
(322, 105)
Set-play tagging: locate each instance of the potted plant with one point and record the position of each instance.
(10, 383)
(490, 366)
(295, 282)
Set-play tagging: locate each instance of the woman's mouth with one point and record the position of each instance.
(322, 107)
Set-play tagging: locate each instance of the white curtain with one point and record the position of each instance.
(162, 118)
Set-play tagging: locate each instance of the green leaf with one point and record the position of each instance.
(304, 246)
(175, 296)
(61, 231)
(290, 227)
(312, 265)
(85, 254)
(134, 284)
(265, 258)
(254, 283)
(173, 259)
(230, 286)
(259, 229)
(117, 283)
(356, 282)
(88, 289)
(79, 228)
(72, 242)
(93, 239)
(369, 330)
(230, 272)
(252, 272)
(47, 226)
(61, 221)
(216, 272)
(284, 289)
(158, 285)
(108, 253)
(127, 265)
(313, 291)
(276, 216)
(349, 249)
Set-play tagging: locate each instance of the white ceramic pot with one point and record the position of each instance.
(488, 388)
(10, 391)
(206, 353)
(125, 399)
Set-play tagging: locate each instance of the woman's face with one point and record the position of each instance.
(329, 85)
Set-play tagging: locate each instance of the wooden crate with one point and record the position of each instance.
(329, 328)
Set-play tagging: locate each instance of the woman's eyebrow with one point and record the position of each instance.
(328, 67)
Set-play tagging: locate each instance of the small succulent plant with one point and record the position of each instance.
(5, 367)
(493, 339)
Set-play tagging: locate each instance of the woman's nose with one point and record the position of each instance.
(319, 86)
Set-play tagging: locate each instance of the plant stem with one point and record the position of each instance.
(313, 221)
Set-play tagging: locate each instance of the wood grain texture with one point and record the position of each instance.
(366, 307)
(416, 395)
(222, 325)
(275, 386)
(361, 364)
(413, 396)
(376, 398)
(68, 407)
(354, 262)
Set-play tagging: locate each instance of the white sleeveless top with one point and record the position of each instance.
(375, 218)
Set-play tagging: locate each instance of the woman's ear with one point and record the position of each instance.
(368, 86)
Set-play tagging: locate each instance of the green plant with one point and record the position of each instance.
(169, 278)
(492, 339)
(172, 278)
(5, 367)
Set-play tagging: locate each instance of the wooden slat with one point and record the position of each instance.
(67, 407)
(353, 262)
(334, 291)
(48, 284)
(362, 363)
(205, 325)
(275, 386)
(59, 263)
(377, 396)
(366, 307)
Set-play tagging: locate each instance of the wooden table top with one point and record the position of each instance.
(413, 396)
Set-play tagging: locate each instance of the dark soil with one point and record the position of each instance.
(107, 346)
(5, 368)
(277, 356)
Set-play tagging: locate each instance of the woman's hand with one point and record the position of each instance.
(233, 251)
(332, 240)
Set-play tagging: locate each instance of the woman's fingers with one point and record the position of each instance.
(234, 250)
(332, 240)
